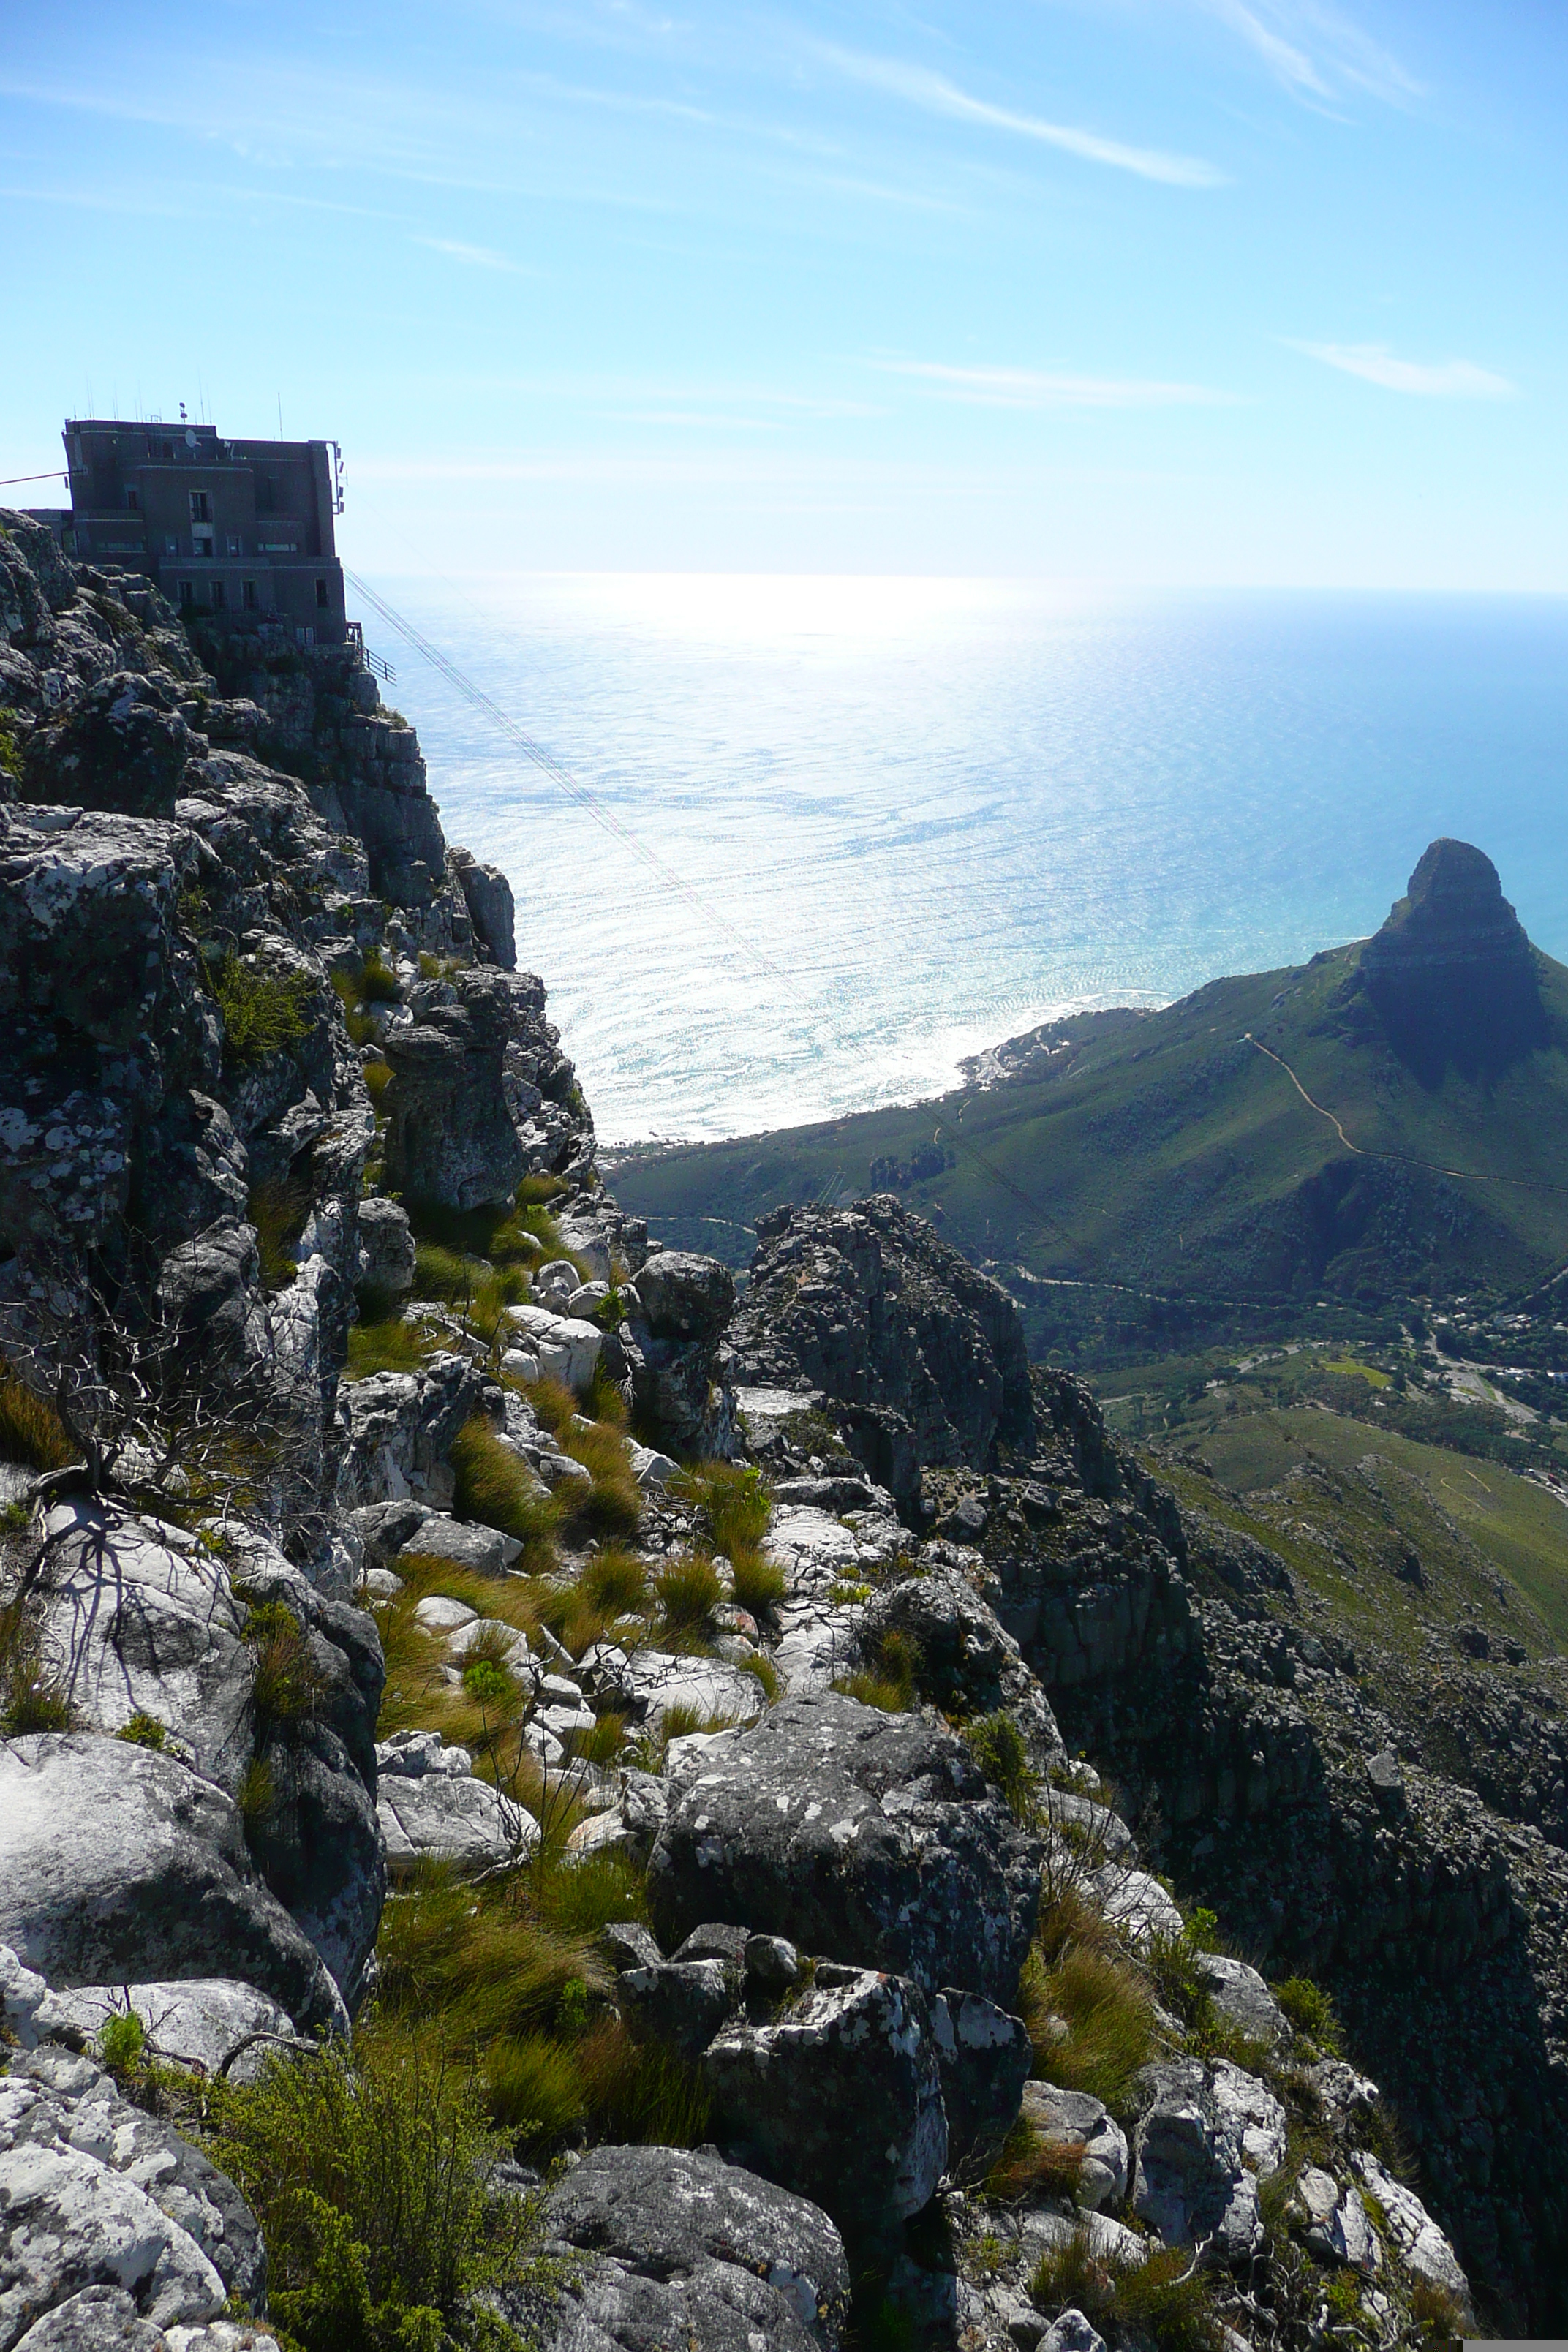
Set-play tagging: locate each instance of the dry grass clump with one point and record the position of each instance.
(385, 1340)
(890, 1676)
(32, 1696)
(610, 1601)
(1088, 2008)
(278, 1210)
(610, 1509)
(687, 1591)
(1166, 2299)
(31, 1432)
(498, 1489)
(1031, 2167)
(737, 1510)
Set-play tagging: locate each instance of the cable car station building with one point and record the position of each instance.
(243, 528)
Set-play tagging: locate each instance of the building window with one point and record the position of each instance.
(133, 502)
(248, 595)
(171, 544)
(220, 597)
(187, 595)
(201, 507)
(201, 544)
(322, 594)
(234, 542)
(168, 452)
(304, 636)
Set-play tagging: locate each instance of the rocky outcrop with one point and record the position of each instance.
(915, 1356)
(1451, 975)
(673, 2246)
(872, 1839)
(449, 1136)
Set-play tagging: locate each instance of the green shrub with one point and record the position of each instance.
(368, 2169)
(31, 1432)
(387, 1343)
(377, 983)
(998, 1748)
(143, 1730)
(489, 1685)
(10, 750)
(1309, 2011)
(261, 1013)
(278, 1211)
(286, 1682)
(1030, 2167)
(889, 1677)
(120, 2041)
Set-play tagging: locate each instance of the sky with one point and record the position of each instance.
(1174, 292)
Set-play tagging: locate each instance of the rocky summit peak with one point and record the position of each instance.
(1452, 972)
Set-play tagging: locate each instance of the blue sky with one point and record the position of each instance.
(1181, 292)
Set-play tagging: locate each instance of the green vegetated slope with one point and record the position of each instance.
(1397, 1537)
(1164, 1151)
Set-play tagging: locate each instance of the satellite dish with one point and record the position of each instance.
(189, 438)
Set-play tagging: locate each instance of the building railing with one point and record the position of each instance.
(354, 631)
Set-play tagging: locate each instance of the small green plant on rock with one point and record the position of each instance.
(32, 1697)
(997, 1746)
(1310, 2012)
(889, 1679)
(121, 2039)
(261, 1013)
(143, 1730)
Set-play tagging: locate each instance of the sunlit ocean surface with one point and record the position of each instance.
(893, 821)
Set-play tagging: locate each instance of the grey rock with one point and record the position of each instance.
(985, 2055)
(853, 2043)
(450, 1138)
(484, 1549)
(120, 745)
(209, 2024)
(773, 1963)
(98, 2319)
(681, 2003)
(630, 1946)
(462, 1821)
(1334, 2221)
(1071, 2332)
(968, 1662)
(1190, 2182)
(401, 1427)
(685, 1297)
(1421, 2245)
(871, 1838)
(1077, 2119)
(1239, 1993)
(486, 894)
(677, 2248)
(918, 1358)
(116, 1861)
(386, 1247)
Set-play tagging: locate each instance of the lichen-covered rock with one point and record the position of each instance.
(856, 2043)
(386, 1247)
(1239, 1993)
(868, 1837)
(211, 2025)
(93, 2192)
(1421, 2245)
(683, 1303)
(969, 1663)
(671, 2246)
(449, 1817)
(1205, 2136)
(118, 1863)
(985, 2056)
(122, 746)
(681, 2002)
(401, 1427)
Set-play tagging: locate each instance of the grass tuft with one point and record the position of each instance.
(687, 1591)
(1031, 2167)
(1090, 2019)
(31, 1432)
(498, 1489)
(1309, 2011)
(32, 1697)
(261, 1013)
(1164, 2299)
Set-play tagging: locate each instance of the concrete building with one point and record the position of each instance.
(234, 528)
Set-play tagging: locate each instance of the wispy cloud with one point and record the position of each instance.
(934, 94)
(1316, 52)
(1002, 387)
(1428, 379)
(476, 257)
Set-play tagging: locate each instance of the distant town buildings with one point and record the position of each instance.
(223, 528)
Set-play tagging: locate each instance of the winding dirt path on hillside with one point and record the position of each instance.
(1408, 1159)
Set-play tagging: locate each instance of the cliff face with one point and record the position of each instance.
(810, 1698)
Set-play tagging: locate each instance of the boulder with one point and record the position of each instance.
(486, 894)
(685, 1297)
(93, 2192)
(985, 2056)
(871, 1838)
(1420, 2244)
(386, 1247)
(547, 1345)
(104, 2319)
(918, 1358)
(118, 745)
(450, 1817)
(1334, 2223)
(117, 1862)
(672, 1345)
(450, 1138)
(1204, 2136)
(671, 2246)
(969, 1663)
(1077, 2119)
(681, 2003)
(1240, 1994)
(466, 1544)
(210, 2025)
(854, 2044)
(401, 1427)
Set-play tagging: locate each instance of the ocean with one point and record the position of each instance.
(856, 829)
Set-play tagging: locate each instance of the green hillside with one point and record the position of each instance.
(1169, 1153)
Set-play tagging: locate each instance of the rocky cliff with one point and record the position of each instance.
(810, 1815)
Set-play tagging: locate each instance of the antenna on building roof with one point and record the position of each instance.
(280, 416)
(181, 412)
